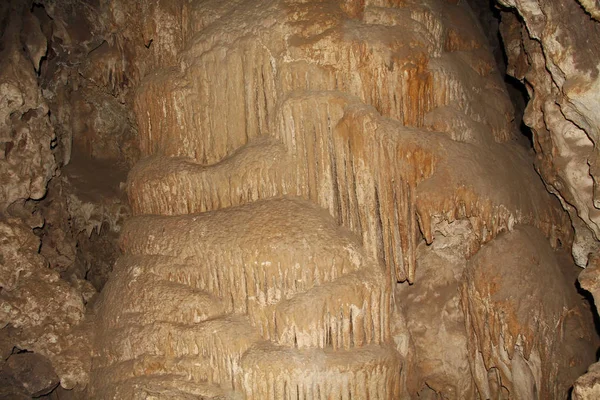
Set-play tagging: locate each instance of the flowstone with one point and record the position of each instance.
(299, 160)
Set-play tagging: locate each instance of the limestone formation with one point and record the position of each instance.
(382, 115)
(44, 334)
(552, 47)
(276, 94)
(39, 310)
(25, 128)
(522, 318)
(554, 52)
(328, 199)
(219, 301)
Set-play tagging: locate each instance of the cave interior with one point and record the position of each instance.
(285, 199)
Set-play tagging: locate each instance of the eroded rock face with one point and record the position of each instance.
(26, 133)
(39, 310)
(552, 48)
(43, 293)
(554, 52)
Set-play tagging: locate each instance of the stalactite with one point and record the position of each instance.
(176, 186)
(349, 312)
(367, 171)
(186, 121)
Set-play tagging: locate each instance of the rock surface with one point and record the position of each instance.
(43, 329)
(38, 309)
(552, 48)
(25, 130)
(330, 199)
(18, 371)
(553, 51)
(523, 319)
(381, 114)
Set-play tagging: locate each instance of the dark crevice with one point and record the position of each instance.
(490, 15)
(592, 306)
(520, 97)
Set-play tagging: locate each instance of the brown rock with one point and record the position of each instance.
(588, 386)
(523, 319)
(36, 303)
(33, 372)
(299, 160)
(335, 105)
(26, 136)
(553, 50)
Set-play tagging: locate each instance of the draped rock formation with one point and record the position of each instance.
(328, 199)
(389, 116)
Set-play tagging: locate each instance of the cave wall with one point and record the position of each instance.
(39, 309)
(60, 222)
(552, 48)
(394, 119)
(361, 160)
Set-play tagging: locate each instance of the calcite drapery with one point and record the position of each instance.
(303, 156)
(178, 295)
(282, 130)
(274, 90)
